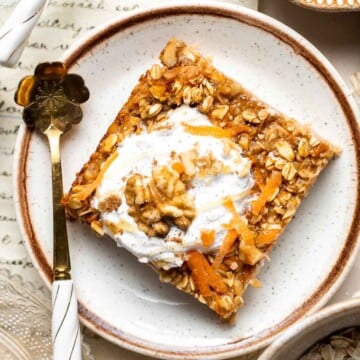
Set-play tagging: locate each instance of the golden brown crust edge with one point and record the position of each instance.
(274, 143)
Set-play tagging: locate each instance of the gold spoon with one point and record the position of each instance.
(51, 99)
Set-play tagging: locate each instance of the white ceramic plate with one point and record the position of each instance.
(122, 299)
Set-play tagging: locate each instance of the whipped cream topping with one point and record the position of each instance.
(137, 154)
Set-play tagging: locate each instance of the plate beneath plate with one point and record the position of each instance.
(122, 299)
(330, 5)
(25, 321)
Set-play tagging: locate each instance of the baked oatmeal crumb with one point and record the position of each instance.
(110, 203)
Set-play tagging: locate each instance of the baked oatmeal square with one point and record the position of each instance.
(198, 178)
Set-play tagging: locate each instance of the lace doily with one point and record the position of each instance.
(25, 321)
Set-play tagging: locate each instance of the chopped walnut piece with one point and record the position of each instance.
(157, 201)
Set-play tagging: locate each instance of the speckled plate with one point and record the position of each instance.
(330, 5)
(122, 299)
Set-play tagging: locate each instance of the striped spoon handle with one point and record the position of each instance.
(65, 323)
(16, 30)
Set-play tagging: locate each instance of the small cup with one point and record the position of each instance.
(299, 338)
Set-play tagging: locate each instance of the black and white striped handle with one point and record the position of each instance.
(65, 323)
(16, 31)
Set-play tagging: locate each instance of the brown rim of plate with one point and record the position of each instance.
(241, 345)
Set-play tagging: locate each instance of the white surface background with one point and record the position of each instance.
(336, 35)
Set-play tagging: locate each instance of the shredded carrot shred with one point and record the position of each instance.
(267, 238)
(213, 131)
(178, 167)
(238, 223)
(267, 192)
(89, 188)
(205, 277)
(229, 205)
(249, 253)
(225, 248)
(196, 266)
(215, 280)
(216, 131)
(207, 237)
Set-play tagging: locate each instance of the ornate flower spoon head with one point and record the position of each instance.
(51, 99)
